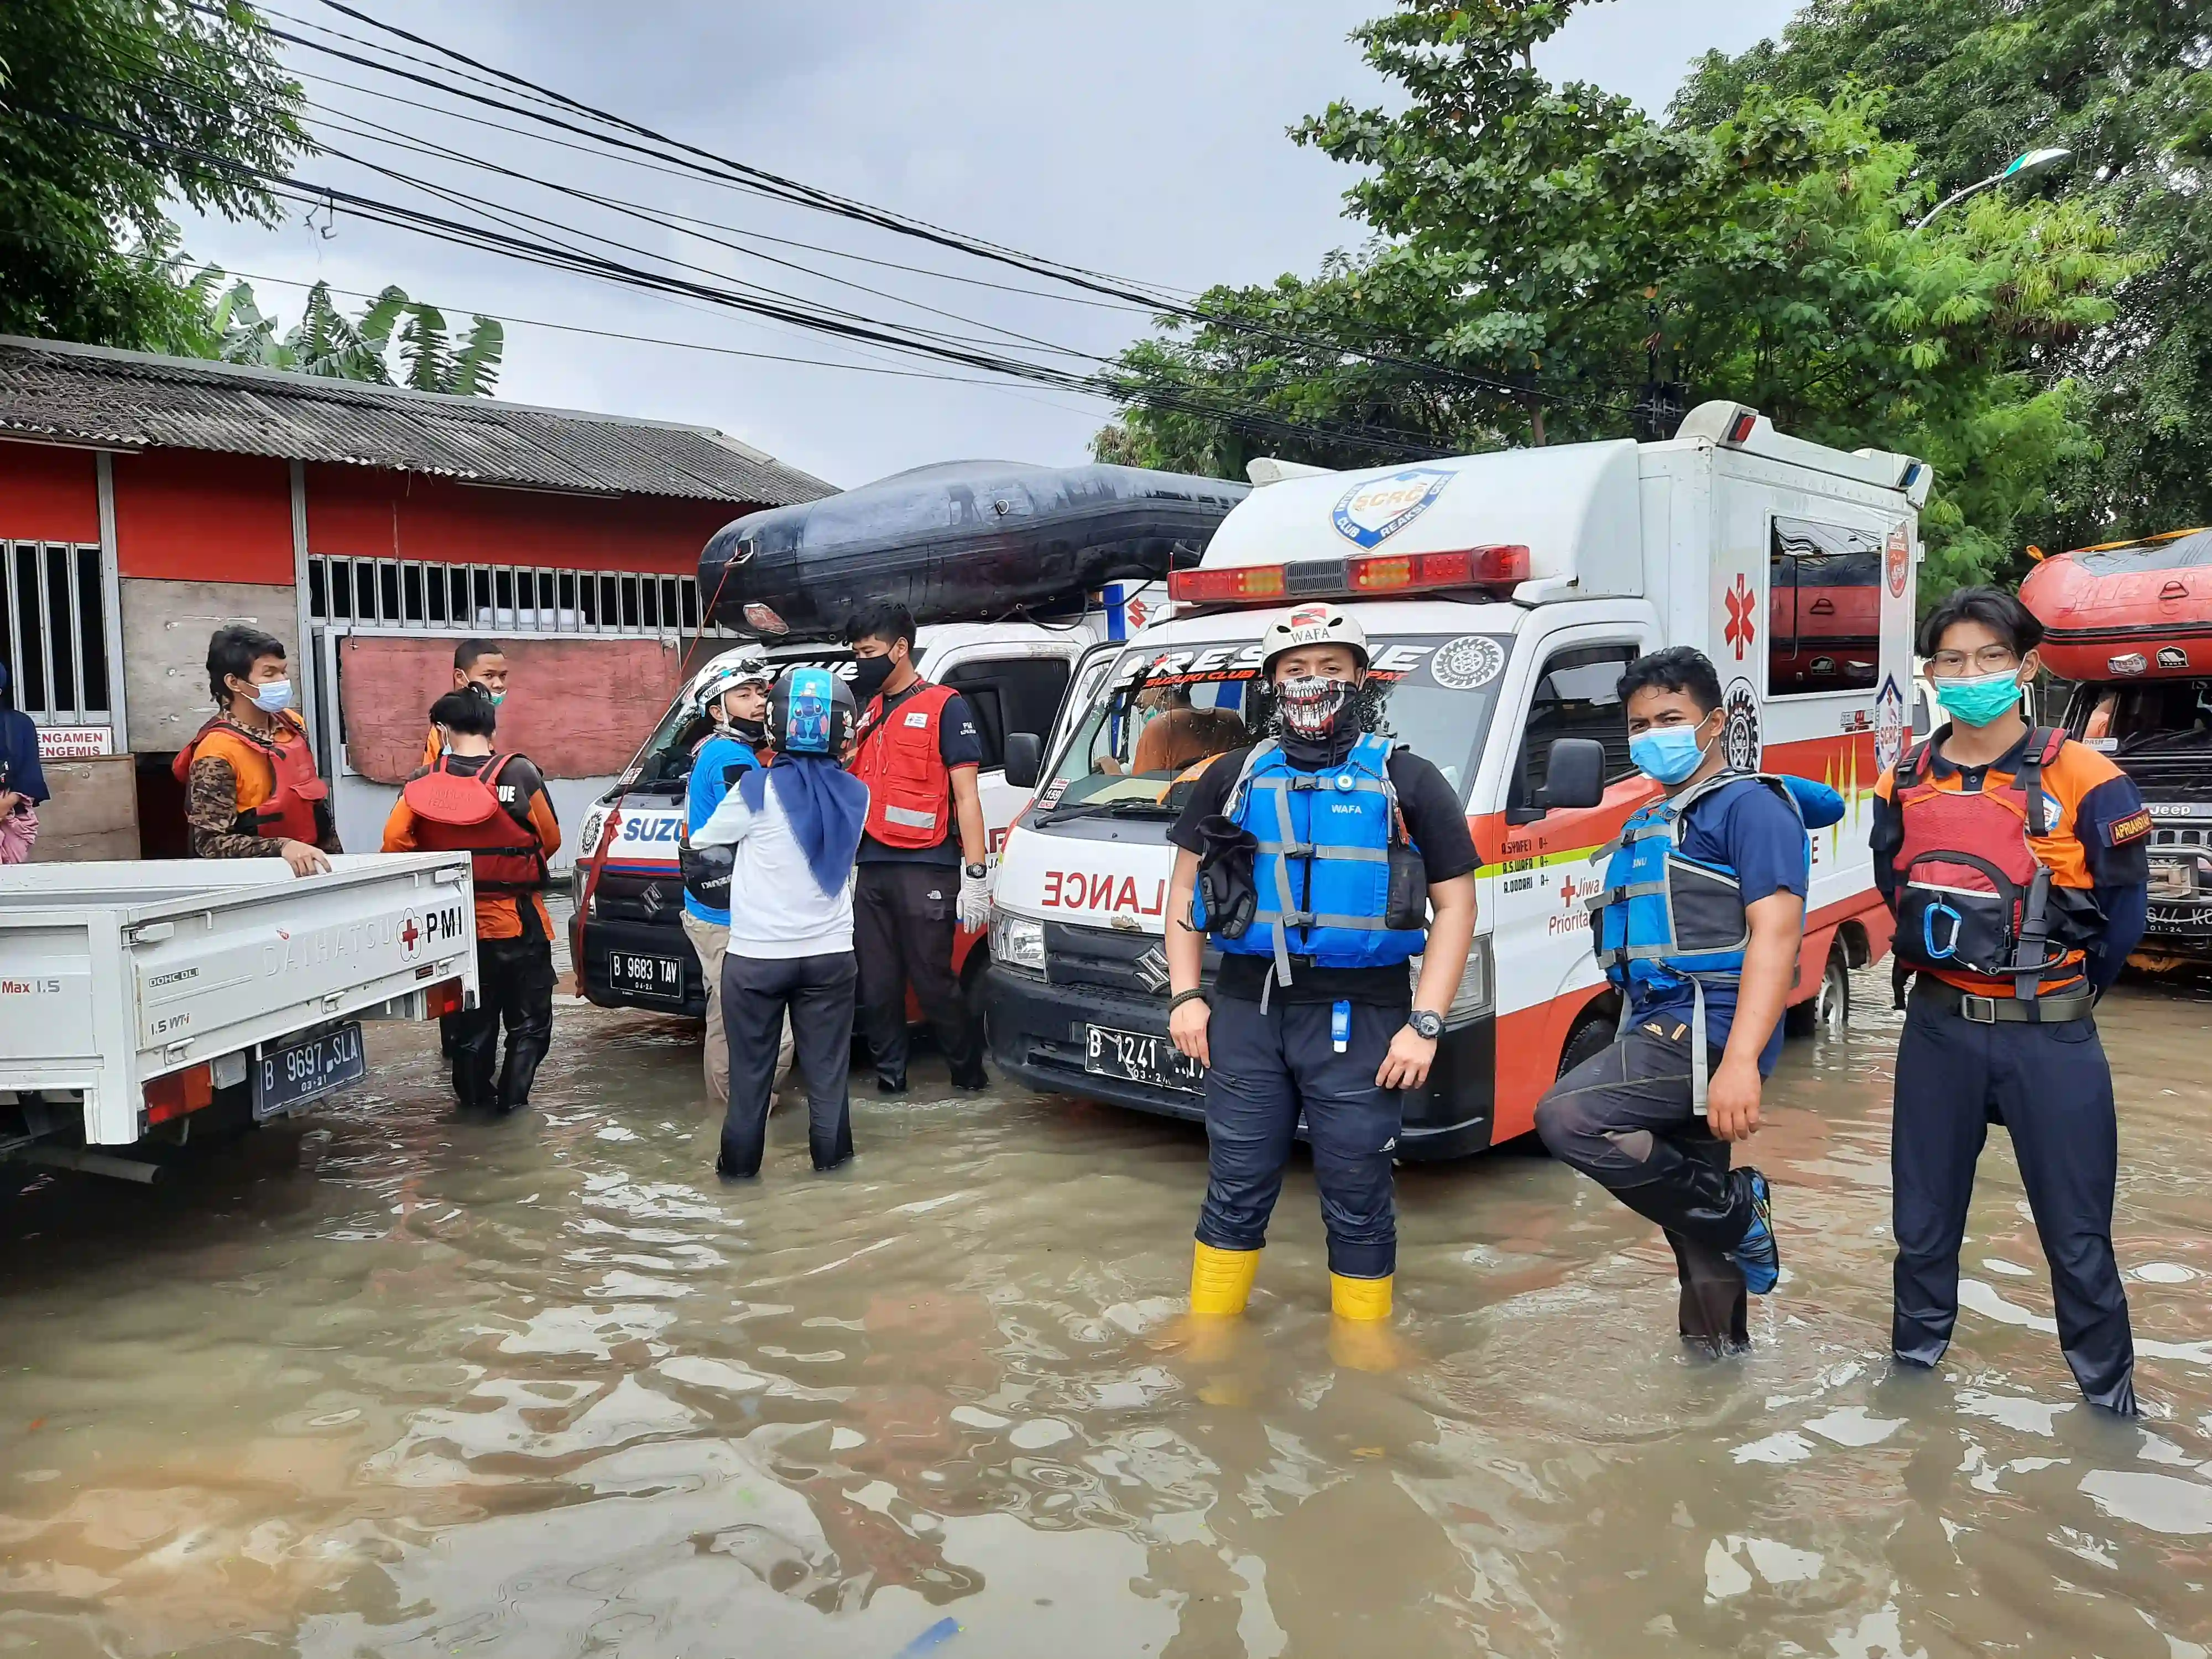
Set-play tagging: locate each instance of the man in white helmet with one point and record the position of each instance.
(1322, 859)
(734, 698)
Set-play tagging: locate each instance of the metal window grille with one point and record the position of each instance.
(404, 594)
(53, 632)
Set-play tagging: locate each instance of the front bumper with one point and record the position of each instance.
(596, 937)
(1038, 1038)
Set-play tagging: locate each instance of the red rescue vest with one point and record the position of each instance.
(461, 812)
(1973, 897)
(902, 760)
(294, 787)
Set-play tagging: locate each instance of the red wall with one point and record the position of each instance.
(48, 494)
(352, 511)
(189, 516)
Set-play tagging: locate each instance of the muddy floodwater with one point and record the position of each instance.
(382, 1383)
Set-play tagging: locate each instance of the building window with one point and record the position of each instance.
(53, 632)
(409, 594)
(1824, 608)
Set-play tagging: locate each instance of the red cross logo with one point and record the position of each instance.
(1741, 626)
(409, 934)
(1568, 892)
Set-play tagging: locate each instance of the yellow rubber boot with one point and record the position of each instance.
(1360, 1336)
(1221, 1281)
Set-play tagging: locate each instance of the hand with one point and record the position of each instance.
(305, 860)
(1186, 1029)
(10, 800)
(1732, 1100)
(975, 905)
(1407, 1065)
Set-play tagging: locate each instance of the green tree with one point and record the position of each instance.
(84, 84)
(327, 342)
(2122, 83)
(1535, 243)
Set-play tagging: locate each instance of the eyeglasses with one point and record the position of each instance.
(1989, 659)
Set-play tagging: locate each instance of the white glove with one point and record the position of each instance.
(974, 910)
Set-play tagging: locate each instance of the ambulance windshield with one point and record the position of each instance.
(1161, 714)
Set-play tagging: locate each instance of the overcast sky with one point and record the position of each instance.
(1152, 146)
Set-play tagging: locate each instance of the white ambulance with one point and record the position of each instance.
(1502, 596)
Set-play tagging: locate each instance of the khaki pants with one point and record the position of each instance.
(711, 941)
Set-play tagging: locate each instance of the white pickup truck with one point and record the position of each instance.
(135, 997)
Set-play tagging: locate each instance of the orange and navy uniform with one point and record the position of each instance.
(2096, 851)
(521, 791)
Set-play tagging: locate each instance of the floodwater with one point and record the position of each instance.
(381, 1382)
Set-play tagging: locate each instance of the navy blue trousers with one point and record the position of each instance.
(1269, 1068)
(2050, 1087)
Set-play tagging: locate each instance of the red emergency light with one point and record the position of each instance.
(1377, 575)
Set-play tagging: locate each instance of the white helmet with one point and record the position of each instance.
(747, 665)
(1311, 624)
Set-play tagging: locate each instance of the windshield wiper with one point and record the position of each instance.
(1109, 809)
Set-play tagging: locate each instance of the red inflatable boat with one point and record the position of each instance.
(2139, 610)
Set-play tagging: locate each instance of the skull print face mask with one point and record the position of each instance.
(1311, 702)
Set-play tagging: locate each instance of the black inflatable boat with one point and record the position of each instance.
(961, 541)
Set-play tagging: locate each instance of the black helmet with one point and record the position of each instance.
(811, 712)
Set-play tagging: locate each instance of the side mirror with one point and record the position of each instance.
(1025, 758)
(1574, 773)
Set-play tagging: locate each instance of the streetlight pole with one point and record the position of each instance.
(2021, 167)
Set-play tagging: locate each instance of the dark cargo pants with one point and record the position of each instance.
(903, 921)
(2052, 1087)
(1267, 1070)
(514, 988)
(816, 992)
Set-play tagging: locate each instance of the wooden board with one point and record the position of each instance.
(165, 629)
(94, 813)
(578, 707)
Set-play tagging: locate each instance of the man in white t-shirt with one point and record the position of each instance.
(793, 829)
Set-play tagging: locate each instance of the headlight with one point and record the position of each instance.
(1473, 998)
(1017, 942)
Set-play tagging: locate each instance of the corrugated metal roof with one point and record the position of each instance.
(135, 400)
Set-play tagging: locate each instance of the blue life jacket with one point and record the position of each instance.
(1664, 918)
(707, 869)
(1321, 868)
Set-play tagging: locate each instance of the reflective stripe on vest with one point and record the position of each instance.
(294, 786)
(901, 760)
(1971, 895)
(1321, 868)
(505, 854)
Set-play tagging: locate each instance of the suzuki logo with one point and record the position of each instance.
(1152, 969)
(651, 898)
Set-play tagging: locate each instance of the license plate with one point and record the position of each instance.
(300, 1071)
(648, 976)
(1135, 1058)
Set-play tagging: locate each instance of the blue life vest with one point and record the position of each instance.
(1664, 918)
(1321, 868)
(707, 870)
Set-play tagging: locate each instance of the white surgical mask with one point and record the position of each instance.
(273, 697)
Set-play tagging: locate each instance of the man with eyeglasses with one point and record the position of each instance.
(2015, 860)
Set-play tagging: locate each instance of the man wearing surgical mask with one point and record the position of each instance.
(1698, 927)
(251, 786)
(2015, 860)
(479, 665)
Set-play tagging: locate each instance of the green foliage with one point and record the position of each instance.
(325, 341)
(2124, 84)
(1536, 242)
(85, 250)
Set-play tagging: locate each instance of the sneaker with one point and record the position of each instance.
(1757, 1255)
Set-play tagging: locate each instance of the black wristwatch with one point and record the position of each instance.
(977, 872)
(1426, 1025)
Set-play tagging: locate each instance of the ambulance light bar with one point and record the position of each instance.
(1375, 575)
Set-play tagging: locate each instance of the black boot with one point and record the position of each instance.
(891, 1083)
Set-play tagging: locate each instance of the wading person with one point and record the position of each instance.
(493, 807)
(477, 663)
(1324, 849)
(1699, 926)
(793, 829)
(736, 700)
(22, 777)
(251, 786)
(2015, 860)
(921, 862)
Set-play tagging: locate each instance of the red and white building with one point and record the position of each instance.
(146, 500)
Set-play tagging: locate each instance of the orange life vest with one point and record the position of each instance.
(461, 812)
(903, 762)
(295, 791)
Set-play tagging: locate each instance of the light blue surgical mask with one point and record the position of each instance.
(1666, 753)
(497, 697)
(273, 697)
(1978, 699)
